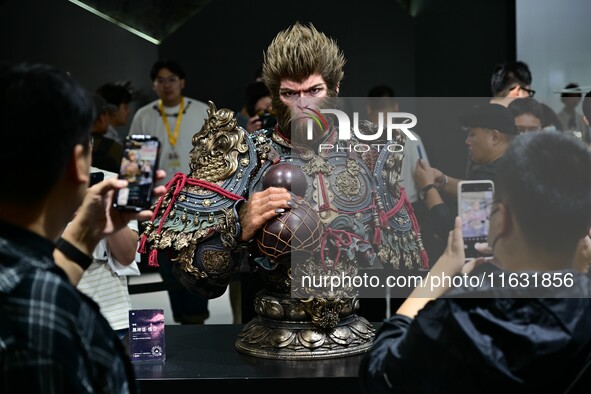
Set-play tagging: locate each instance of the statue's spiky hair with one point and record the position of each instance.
(298, 52)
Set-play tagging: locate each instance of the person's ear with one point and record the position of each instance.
(182, 83)
(514, 92)
(506, 218)
(496, 136)
(79, 166)
(500, 223)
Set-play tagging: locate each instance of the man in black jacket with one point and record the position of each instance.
(521, 324)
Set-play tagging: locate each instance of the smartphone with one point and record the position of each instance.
(96, 177)
(475, 199)
(141, 154)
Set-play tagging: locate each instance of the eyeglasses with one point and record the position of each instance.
(171, 80)
(530, 92)
(525, 129)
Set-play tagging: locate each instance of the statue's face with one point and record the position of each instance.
(294, 102)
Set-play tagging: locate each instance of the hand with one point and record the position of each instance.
(96, 218)
(120, 218)
(253, 124)
(483, 247)
(449, 264)
(453, 258)
(423, 174)
(439, 177)
(261, 207)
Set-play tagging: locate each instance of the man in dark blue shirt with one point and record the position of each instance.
(53, 339)
(521, 325)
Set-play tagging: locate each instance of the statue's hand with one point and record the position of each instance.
(261, 207)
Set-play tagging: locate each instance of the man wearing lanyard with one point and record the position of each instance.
(174, 119)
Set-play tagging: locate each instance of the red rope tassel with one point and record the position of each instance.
(153, 258)
(178, 181)
(377, 236)
(340, 238)
(142, 247)
(385, 216)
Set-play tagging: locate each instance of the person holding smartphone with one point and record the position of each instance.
(530, 332)
(490, 128)
(54, 340)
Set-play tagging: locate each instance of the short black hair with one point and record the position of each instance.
(526, 105)
(173, 66)
(507, 75)
(381, 91)
(553, 210)
(115, 94)
(380, 97)
(254, 92)
(44, 113)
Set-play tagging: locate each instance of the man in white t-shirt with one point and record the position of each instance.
(174, 119)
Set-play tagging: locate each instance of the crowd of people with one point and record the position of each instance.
(64, 250)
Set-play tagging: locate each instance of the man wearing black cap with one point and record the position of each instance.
(491, 128)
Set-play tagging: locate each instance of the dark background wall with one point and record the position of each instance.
(458, 44)
(222, 46)
(92, 49)
(432, 48)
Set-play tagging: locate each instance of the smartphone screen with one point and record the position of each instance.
(474, 205)
(138, 166)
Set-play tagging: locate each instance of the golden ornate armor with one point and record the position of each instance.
(351, 216)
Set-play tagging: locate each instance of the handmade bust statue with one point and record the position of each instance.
(293, 210)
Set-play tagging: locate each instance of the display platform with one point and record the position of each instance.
(203, 357)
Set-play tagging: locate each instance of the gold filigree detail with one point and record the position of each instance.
(217, 145)
(348, 184)
(317, 164)
(348, 181)
(182, 240)
(217, 260)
